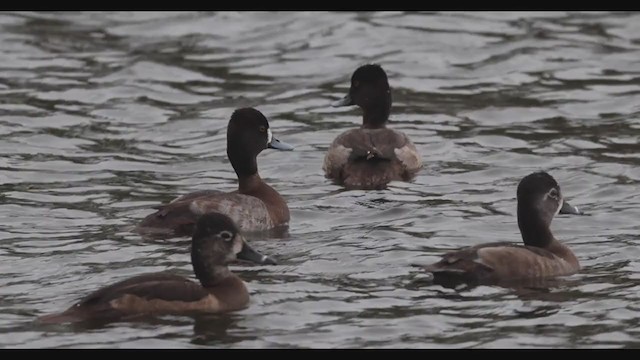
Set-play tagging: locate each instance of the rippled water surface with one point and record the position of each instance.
(104, 115)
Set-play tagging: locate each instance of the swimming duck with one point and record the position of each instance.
(371, 156)
(542, 256)
(255, 206)
(216, 242)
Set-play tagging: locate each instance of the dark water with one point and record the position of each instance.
(103, 115)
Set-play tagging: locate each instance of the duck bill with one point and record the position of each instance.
(248, 254)
(345, 101)
(279, 145)
(569, 209)
(273, 143)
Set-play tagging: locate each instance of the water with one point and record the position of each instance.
(104, 115)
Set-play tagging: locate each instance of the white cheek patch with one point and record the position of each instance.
(559, 206)
(269, 136)
(540, 204)
(237, 245)
(555, 198)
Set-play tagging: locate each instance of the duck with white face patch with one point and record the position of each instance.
(274, 143)
(254, 206)
(216, 242)
(542, 256)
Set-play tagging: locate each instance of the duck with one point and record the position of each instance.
(216, 242)
(254, 206)
(542, 256)
(371, 156)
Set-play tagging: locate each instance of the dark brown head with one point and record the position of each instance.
(370, 91)
(248, 133)
(217, 242)
(539, 200)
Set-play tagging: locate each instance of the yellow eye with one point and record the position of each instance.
(263, 128)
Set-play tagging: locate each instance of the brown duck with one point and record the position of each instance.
(216, 242)
(542, 256)
(371, 156)
(255, 206)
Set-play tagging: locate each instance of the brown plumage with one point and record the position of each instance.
(371, 156)
(255, 206)
(216, 242)
(542, 256)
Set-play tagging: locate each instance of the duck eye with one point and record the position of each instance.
(263, 128)
(226, 235)
(553, 194)
(356, 84)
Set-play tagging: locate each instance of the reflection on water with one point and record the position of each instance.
(105, 115)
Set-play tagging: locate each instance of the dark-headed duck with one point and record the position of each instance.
(255, 206)
(216, 242)
(542, 256)
(371, 156)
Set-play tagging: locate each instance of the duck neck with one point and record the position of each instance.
(250, 183)
(535, 231)
(244, 164)
(208, 271)
(376, 113)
